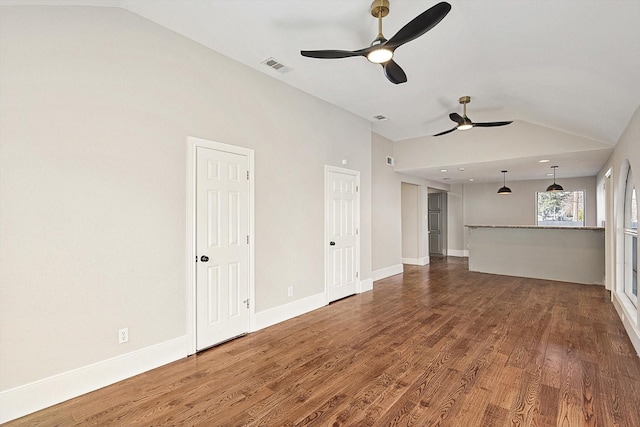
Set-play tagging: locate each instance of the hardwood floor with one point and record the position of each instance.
(436, 346)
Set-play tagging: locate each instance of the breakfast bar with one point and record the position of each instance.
(568, 254)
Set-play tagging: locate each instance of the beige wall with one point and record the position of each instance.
(455, 221)
(385, 207)
(484, 206)
(96, 106)
(386, 215)
(411, 233)
(518, 140)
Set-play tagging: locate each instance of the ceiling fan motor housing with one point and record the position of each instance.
(380, 8)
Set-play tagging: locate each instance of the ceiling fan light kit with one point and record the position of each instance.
(381, 50)
(379, 56)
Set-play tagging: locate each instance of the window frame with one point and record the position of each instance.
(630, 243)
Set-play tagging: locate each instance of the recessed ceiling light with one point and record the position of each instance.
(461, 169)
(443, 170)
(550, 174)
(471, 179)
(543, 161)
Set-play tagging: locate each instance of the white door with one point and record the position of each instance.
(342, 211)
(222, 249)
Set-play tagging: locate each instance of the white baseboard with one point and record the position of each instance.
(366, 285)
(630, 326)
(386, 272)
(25, 399)
(458, 253)
(264, 319)
(416, 261)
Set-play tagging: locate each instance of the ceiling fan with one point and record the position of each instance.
(381, 49)
(464, 122)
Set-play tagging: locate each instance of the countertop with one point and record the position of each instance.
(535, 227)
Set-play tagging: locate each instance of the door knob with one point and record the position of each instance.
(204, 258)
(332, 243)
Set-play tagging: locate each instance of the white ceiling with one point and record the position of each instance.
(568, 65)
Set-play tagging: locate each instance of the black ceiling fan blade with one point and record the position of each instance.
(491, 124)
(456, 118)
(419, 25)
(394, 72)
(332, 54)
(446, 131)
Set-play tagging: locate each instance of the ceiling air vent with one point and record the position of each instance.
(274, 64)
(380, 118)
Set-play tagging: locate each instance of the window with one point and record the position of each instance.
(562, 208)
(631, 240)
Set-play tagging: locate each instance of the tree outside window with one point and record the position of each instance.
(563, 208)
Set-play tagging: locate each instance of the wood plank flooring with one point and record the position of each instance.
(436, 346)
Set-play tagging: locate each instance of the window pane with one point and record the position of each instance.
(564, 208)
(634, 209)
(634, 267)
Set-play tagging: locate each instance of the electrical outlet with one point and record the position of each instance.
(290, 291)
(123, 335)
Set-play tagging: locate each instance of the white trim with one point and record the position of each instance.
(26, 399)
(458, 253)
(416, 261)
(366, 285)
(608, 173)
(383, 273)
(356, 173)
(281, 313)
(626, 311)
(192, 144)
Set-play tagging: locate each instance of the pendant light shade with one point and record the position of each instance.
(554, 187)
(504, 189)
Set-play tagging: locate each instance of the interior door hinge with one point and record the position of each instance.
(247, 239)
(357, 274)
(357, 231)
(247, 175)
(357, 188)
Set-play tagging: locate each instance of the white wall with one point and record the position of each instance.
(96, 107)
(625, 154)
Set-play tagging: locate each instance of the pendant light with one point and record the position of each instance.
(554, 187)
(504, 189)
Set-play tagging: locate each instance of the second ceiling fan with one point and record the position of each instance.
(464, 123)
(381, 49)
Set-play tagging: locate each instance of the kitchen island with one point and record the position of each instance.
(568, 254)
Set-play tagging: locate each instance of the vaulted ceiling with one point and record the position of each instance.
(567, 72)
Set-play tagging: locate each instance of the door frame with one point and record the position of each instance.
(327, 238)
(192, 144)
